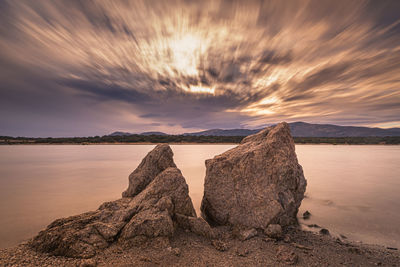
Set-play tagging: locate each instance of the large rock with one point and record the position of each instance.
(151, 213)
(257, 183)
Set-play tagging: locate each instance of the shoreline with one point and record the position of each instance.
(119, 143)
(298, 247)
(180, 143)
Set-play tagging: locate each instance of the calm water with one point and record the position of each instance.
(352, 190)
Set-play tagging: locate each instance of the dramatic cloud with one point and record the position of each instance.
(91, 67)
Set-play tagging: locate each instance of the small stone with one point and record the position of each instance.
(301, 246)
(268, 239)
(287, 255)
(175, 251)
(88, 263)
(287, 239)
(145, 259)
(355, 250)
(324, 231)
(247, 234)
(392, 248)
(242, 251)
(306, 215)
(219, 245)
(314, 226)
(274, 231)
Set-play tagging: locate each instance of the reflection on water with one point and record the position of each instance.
(352, 190)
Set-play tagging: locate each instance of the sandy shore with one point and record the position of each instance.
(298, 248)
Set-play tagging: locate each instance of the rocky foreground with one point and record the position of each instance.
(297, 248)
(251, 197)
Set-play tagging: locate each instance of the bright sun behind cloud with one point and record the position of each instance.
(200, 89)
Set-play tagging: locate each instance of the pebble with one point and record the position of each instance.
(242, 251)
(324, 231)
(287, 255)
(306, 215)
(88, 263)
(219, 245)
(247, 234)
(274, 231)
(175, 251)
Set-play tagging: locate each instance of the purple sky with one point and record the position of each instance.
(78, 68)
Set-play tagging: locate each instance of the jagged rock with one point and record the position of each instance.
(256, 183)
(247, 234)
(219, 245)
(287, 255)
(159, 159)
(151, 213)
(274, 231)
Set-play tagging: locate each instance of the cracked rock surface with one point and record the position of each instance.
(257, 183)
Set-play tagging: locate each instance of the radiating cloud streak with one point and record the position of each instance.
(95, 66)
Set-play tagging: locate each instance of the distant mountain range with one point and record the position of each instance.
(120, 134)
(153, 133)
(144, 133)
(220, 132)
(299, 129)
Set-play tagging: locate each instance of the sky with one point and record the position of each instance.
(84, 68)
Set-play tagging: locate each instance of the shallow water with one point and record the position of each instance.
(352, 190)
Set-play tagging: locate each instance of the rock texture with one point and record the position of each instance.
(160, 158)
(160, 196)
(256, 183)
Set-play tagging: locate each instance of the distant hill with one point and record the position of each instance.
(144, 133)
(220, 132)
(303, 129)
(153, 133)
(299, 129)
(120, 134)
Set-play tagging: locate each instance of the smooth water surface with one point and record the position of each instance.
(352, 190)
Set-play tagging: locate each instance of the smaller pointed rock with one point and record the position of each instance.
(155, 162)
(157, 193)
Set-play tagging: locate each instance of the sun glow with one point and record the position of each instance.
(185, 52)
(260, 108)
(268, 100)
(200, 89)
